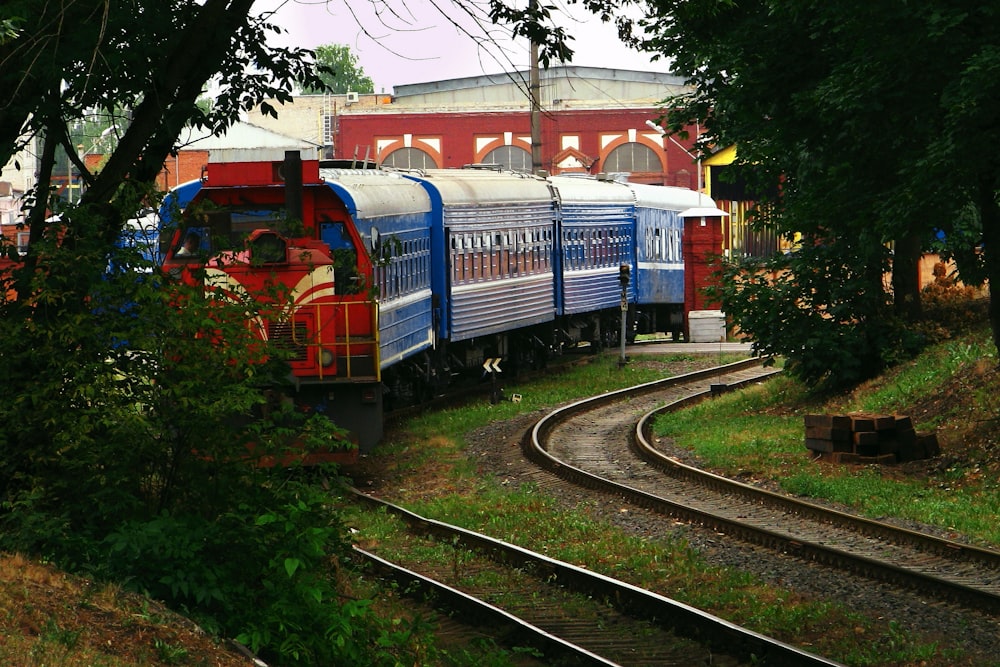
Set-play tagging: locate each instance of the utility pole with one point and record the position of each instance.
(534, 92)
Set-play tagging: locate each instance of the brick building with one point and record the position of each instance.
(592, 120)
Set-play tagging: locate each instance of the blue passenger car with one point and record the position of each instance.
(496, 235)
(597, 222)
(659, 274)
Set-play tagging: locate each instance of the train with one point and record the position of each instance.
(403, 281)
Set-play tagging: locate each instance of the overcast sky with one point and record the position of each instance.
(414, 41)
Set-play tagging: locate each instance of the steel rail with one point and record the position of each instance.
(684, 620)
(937, 545)
(533, 444)
(484, 613)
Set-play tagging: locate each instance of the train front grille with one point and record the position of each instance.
(290, 337)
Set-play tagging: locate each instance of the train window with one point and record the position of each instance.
(335, 235)
(194, 242)
(268, 248)
(345, 271)
(426, 255)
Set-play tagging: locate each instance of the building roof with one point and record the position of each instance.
(245, 142)
(561, 87)
(565, 72)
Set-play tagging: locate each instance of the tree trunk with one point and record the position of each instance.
(906, 277)
(990, 216)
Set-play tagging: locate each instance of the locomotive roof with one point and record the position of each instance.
(373, 193)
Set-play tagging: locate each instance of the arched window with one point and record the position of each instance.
(409, 158)
(514, 158)
(632, 157)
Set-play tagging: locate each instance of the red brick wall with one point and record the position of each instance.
(457, 134)
(186, 166)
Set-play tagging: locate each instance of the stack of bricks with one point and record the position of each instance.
(864, 439)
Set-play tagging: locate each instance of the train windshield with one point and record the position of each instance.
(209, 232)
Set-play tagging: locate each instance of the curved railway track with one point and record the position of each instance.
(591, 443)
(610, 622)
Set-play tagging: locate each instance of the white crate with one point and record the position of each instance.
(706, 326)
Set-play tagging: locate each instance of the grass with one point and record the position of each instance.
(756, 433)
(48, 617)
(951, 390)
(666, 565)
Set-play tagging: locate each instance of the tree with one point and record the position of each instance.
(339, 71)
(857, 115)
(128, 424)
(68, 59)
(125, 418)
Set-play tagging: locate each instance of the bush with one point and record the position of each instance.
(949, 306)
(822, 309)
(126, 453)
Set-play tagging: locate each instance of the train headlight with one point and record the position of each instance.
(326, 357)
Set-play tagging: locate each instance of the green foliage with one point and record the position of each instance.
(852, 139)
(8, 29)
(819, 309)
(264, 570)
(155, 68)
(338, 70)
(133, 426)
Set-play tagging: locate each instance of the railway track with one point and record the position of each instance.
(568, 614)
(593, 442)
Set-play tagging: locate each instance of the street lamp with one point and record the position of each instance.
(659, 128)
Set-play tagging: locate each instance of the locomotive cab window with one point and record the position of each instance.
(194, 242)
(206, 232)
